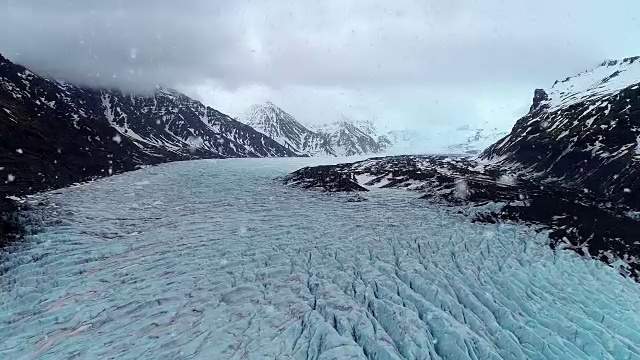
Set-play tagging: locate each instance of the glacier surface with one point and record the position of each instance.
(214, 259)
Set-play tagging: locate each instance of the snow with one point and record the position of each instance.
(109, 113)
(363, 179)
(443, 139)
(285, 130)
(75, 118)
(461, 190)
(606, 79)
(214, 260)
(508, 180)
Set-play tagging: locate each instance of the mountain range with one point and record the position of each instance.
(341, 138)
(347, 137)
(55, 133)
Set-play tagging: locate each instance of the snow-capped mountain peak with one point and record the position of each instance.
(274, 122)
(348, 137)
(344, 137)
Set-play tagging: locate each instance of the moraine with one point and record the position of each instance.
(215, 259)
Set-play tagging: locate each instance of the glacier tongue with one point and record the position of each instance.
(212, 259)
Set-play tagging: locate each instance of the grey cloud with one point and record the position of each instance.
(330, 43)
(118, 43)
(454, 59)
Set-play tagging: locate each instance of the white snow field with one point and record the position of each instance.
(215, 260)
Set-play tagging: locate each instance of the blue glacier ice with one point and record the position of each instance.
(216, 260)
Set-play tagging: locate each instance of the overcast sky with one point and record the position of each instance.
(413, 63)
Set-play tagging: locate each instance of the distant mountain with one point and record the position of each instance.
(286, 130)
(348, 138)
(340, 138)
(584, 131)
(54, 133)
(367, 126)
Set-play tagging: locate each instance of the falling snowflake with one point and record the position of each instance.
(19, 151)
(117, 138)
(194, 143)
(508, 180)
(10, 178)
(627, 190)
(461, 190)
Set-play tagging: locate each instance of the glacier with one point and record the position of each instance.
(214, 259)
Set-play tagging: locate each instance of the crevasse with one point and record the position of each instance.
(215, 260)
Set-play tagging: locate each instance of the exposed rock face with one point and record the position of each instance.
(539, 96)
(324, 178)
(583, 132)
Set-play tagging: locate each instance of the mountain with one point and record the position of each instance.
(54, 134)
(367, 126)
(583, 132)
(340, 138)
(348, 138)
(286, 130)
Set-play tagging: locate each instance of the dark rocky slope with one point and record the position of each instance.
(54, 134)
(583, 132)
(570, 167)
